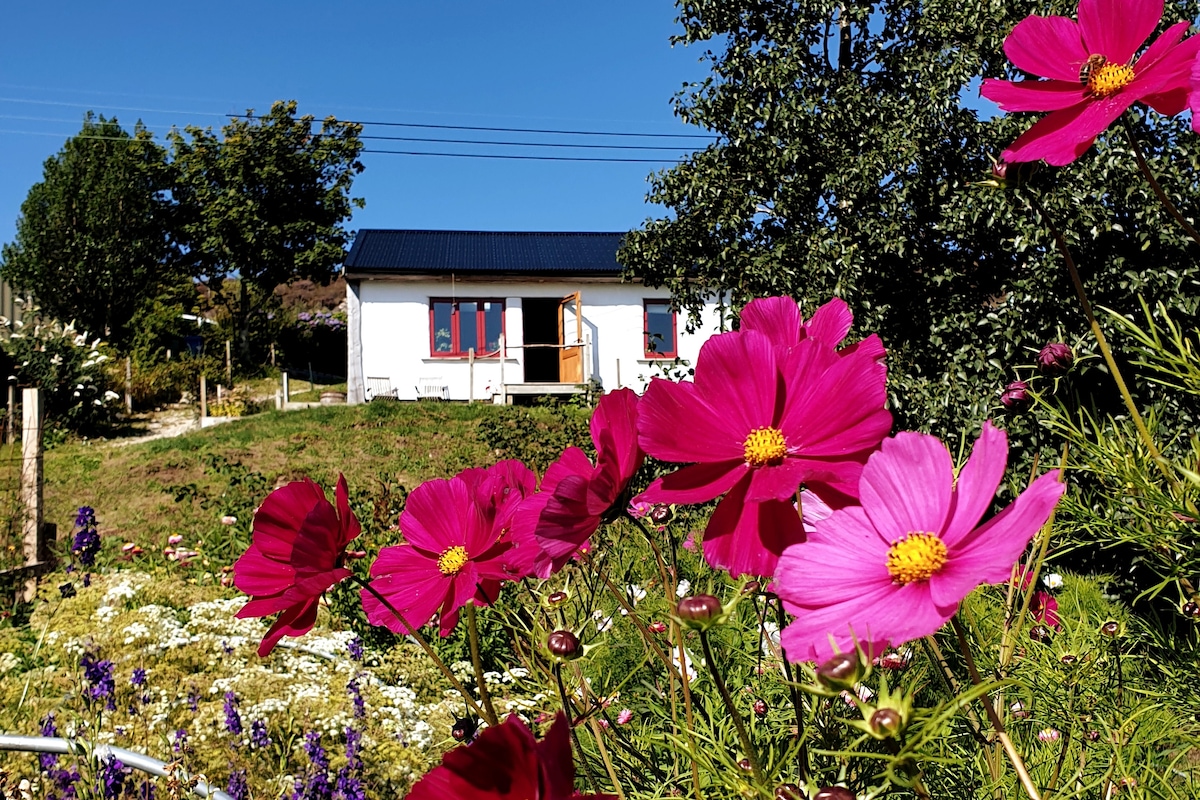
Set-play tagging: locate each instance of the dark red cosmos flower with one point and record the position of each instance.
(507, 763)
(459, 547)
(297, 547)
(576, 496)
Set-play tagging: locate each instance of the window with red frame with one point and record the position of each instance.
(455, 326)
(659, 328)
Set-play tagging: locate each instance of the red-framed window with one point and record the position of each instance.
(659, 329)
(455, 326)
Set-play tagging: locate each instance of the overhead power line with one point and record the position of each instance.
(500, 156)
(506, 130)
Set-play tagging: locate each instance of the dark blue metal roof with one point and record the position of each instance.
(403, 252)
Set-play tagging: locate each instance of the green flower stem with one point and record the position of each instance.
(420, 640)
(802, 755)
(1009, 748)
(569, 709)
(637, 621)
(738, 724)
(1156, 187)
(477, 665)
(677, 638)
(1138, 422)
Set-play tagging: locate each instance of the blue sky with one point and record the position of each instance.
(529, 64)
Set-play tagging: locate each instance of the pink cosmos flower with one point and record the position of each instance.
(459, 547)
(896, 568)
(576, 496)
(1044, 608)
(762, 417)
(780, 320)
(507, 763)
(1092, 74)
(297, 548)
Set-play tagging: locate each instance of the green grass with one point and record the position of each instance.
(227, 469)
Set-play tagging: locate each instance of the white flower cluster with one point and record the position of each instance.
(8, 662)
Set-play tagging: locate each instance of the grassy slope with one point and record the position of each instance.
(130, 486)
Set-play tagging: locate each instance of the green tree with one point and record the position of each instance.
(93, 238)
(847, 142)
(264, 202)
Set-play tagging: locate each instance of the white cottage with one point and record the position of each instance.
(486, 316)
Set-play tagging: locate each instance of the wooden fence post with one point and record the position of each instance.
(228, 364)
(128, 385)
(10, 435)
(31, 484)
(203, 398)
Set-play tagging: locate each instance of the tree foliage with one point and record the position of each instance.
(94, 237)
(848, 139)
(265, 201)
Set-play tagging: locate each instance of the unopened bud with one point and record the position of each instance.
(887, 722)
(745, 765)
(1191, 609)
(1055, 359)
(760, 708)
(699, 611)
(556, 598)
(657, 627)
(788, 791)
(1068, 658)
(1110, 628)
(563, 644)
(464, 729)
(1016, 396)
(834, 793)
(1040, 633)
(661, 514)
(751, 587)
(840, 672)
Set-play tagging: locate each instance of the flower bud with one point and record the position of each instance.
(788, 791)
(1068, 658)
(1049, 735)
(1093, 736)
(563, 645)
(745, 765)
(840, 672)
(760, 708)
(1018, 710)
(657, 627)
(464, 729)
(887, 722)
(700, 611)
(1055, 359)
(1004, 175)
(1190, 609)
(556, 598)
(834, 793)
(1040, 633)
(1111, 628)
(1016, 396)
(751, 587)
(661, 514)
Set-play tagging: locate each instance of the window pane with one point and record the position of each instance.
(442, 342)
(493, 318)
(660, 328)
(468, 327)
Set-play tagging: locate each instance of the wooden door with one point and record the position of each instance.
(570, 353)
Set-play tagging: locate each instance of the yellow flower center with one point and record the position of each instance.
(916, 557)
(765, 446)
(1108, 78)
(452, 560)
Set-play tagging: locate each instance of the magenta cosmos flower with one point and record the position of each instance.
(1092, 74)
(576, 496)
(458, 548)
(896, 568)
(507, 763)
(780, 320)
(759, 420)
(297, 548)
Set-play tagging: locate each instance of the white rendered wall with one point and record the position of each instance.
(394, 318)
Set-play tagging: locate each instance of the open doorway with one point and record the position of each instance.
(540, 327)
